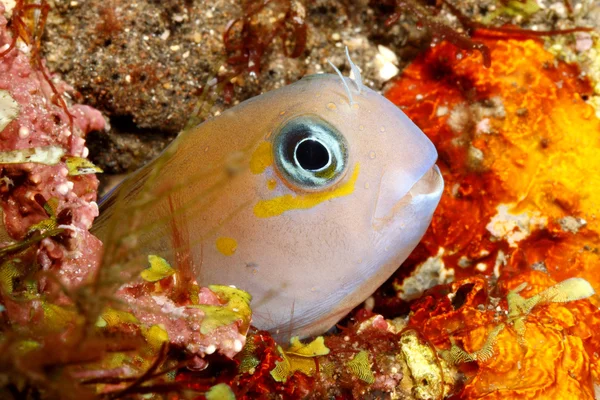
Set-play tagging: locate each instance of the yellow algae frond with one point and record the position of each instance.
(215, 317)
(568, 290)
(49, 223)
(299, 357)
(116, 359)
(279, 205)
(51, 206)
(221, 391)
(487, 350)
(262, 158)
(236, 300)
(313, 349)
(233, 296)
(292, 363)
(155, 336)
(81, 166)
(563, 292)
(518, 307)
(361, 367)
(226, 246)
(8, 272)
(27, 345)
(159, 269)
(112, 317)
(456, 355)
(248, 359)
(282, 370)
(512, 8)
(248, 364)
(57, 317)
(237, 308)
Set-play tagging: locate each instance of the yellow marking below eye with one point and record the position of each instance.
(226, 246)
(279, 205)
(262, 158)
(271, 184)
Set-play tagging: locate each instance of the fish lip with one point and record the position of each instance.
(423, 185)
(426, 190)
(429, 185)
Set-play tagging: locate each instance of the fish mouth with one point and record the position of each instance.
(423, 196)
(430, 184)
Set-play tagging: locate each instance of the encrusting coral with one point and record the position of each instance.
(519, 154)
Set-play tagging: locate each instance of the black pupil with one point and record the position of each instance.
(312, 155)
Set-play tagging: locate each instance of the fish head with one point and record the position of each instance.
(344, 190)
(308, 197)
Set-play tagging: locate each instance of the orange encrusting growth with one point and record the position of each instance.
(520, 134)
(555, 358)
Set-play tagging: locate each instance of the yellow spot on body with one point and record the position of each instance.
(372, 155)
(262, 158)
(279, 205)
(226, 246)
(271, 184)
(361, 127)
(382, 129)
(331, 106)
(282, 113)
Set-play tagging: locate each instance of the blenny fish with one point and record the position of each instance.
(308, 197)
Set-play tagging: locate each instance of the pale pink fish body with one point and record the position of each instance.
(302, 199)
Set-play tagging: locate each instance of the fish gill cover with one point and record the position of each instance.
(496, 302)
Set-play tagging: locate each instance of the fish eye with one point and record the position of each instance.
(310, 153)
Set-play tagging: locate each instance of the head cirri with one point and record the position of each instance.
(308, 197)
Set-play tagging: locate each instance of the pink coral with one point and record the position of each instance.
(42, 122)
